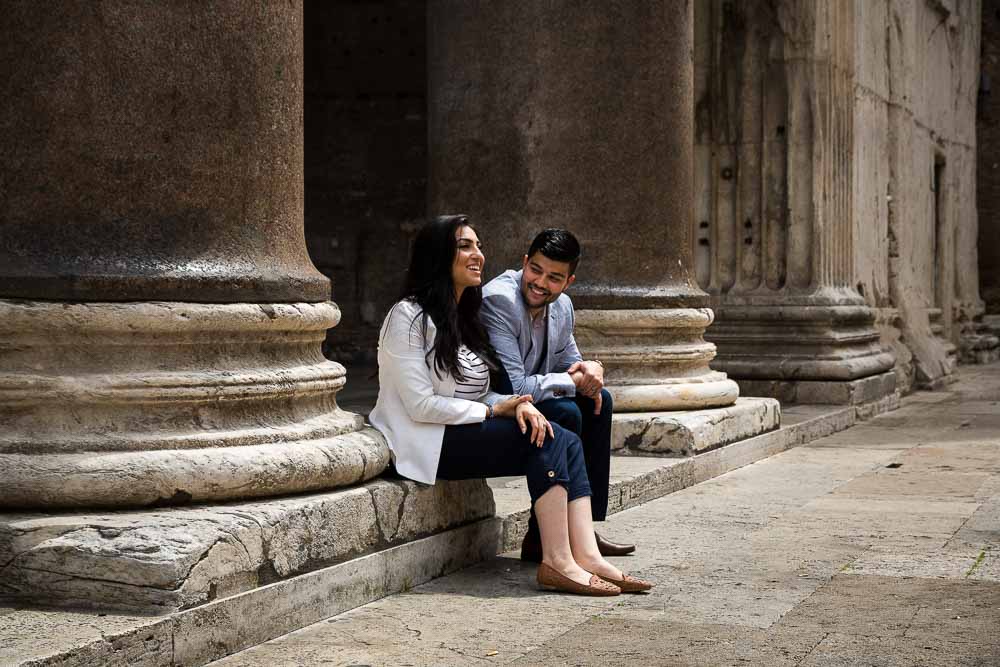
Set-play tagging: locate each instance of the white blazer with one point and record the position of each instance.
(414, 402)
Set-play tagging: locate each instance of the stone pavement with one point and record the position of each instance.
(879, 545)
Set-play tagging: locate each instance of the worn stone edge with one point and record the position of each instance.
(212, 631)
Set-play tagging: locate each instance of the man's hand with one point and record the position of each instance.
(588, 376)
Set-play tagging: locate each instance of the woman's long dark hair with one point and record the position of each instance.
(430, 285)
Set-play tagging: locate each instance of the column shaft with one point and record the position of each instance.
(160, 320)
(782, 76)
(579, 115)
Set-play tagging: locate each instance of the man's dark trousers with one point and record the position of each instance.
(576, 414)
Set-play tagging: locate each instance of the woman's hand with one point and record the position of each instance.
(508, 407)
(526, 414)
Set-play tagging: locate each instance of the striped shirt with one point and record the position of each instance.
(475, 375)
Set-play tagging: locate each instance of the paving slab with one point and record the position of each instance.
(298, 536)
(803, 558)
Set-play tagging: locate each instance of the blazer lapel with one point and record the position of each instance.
(550, 327)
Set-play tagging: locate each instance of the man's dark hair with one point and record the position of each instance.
(557, 244)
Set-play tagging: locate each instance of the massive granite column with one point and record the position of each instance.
(160, 320)
(774, 110)
(579, 115)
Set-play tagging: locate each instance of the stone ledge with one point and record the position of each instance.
(685, 433)
(159, 561)
(846, 392)
(199, 636)
(208, 632)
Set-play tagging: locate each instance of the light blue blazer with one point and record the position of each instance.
(506, 318)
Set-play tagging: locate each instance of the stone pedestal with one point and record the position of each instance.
(579, 115)
(160, 320)
(773, 183)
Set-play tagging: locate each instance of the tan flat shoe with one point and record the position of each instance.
(628, 584)
(552, 580)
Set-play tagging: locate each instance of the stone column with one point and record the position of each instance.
(578, 115)
(160, 320)
(774, 113)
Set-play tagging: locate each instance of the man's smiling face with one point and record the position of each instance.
(543, 280)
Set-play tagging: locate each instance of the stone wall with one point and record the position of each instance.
(988, 175)
(914, 205)
(365, 156)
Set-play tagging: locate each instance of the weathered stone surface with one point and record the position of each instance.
(157, 561)
(839, 249)
(153, 153)
(200, 635)
(754, 567)
(655, 358)
(773, 192)
(520, 140)
(915, 213)
(160, 403)
(685, 433)
(848, 392)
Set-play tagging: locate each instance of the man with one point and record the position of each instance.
(530, 323)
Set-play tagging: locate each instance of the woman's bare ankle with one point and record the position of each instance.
(600, 566)
(568, 568)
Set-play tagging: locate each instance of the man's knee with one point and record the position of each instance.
(607, 405)
(563, 411)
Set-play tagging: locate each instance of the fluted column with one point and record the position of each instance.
(774, 181)
(579, 115)
(160, 319)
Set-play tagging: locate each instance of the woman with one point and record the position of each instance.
(442, 421)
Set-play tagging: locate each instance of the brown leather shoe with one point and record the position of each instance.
(552, 580)
(629, 584)
(610, 548)
(531, 549)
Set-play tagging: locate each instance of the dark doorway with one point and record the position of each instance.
(365, 159)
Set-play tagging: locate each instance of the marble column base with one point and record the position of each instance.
(798, 343)
(828, 392)
(145, 404)
(655, 359)
(690, 432)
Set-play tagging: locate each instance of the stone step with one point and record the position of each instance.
(228, 624)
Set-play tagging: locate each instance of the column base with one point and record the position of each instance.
(166, 403)
(798, 342)
(979, 344)
(655, 359)
(686, 433)
(829, 392)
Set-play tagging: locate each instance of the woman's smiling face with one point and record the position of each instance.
(467, 269)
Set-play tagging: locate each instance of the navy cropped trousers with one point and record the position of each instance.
(576, 414)
(497, 448)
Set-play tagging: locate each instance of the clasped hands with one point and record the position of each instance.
(526, 414)
(588, 376)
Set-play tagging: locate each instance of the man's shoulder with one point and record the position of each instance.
(563, 305)
(506, 284)
(504, 291)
